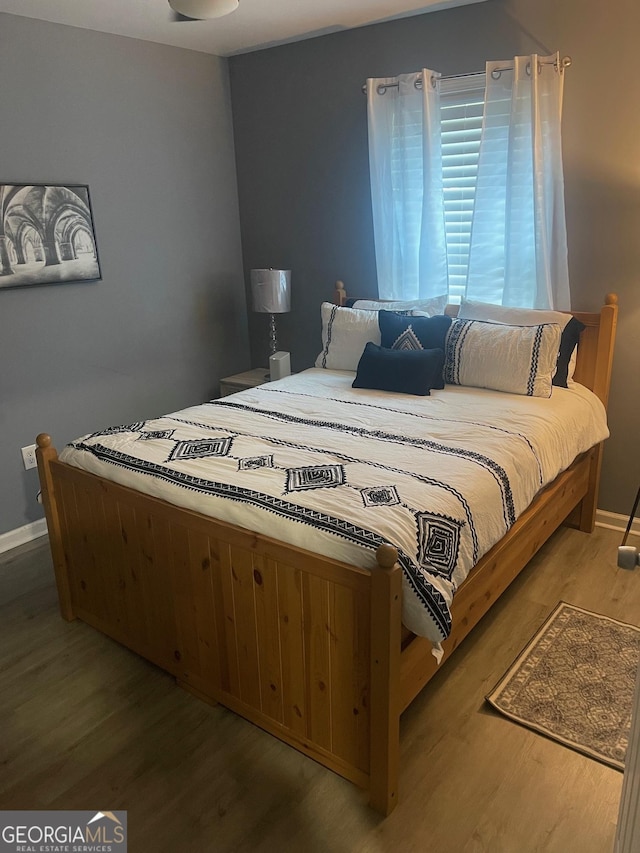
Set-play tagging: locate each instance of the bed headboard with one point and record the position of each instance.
(595, 350)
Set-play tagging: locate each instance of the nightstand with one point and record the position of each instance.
(242, 381)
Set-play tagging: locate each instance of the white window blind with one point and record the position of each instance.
(461, 110)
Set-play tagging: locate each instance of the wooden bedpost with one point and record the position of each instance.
(45, 454)
(386, 616)
(606, 340)
(586, 510)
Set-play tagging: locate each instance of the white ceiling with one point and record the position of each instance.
(256, 24)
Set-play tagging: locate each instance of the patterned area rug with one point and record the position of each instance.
(574, 682)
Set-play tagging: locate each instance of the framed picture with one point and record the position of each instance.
(46, 235)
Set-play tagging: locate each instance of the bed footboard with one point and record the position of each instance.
(280, 636)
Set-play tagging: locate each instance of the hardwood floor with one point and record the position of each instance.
(86, 724)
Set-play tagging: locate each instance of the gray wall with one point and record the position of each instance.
(301, 151)
(148, 127)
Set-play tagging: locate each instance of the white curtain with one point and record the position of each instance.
(406, 185)
(518, 250)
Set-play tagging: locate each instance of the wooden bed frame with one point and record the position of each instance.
(310, 649)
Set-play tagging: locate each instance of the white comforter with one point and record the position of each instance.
(315, 463)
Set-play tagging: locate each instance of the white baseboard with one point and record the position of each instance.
(615, 521)
(21, 535)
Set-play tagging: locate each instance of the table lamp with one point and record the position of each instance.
(271, 294)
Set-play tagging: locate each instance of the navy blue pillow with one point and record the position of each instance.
(409, 371)
(568, 342)
(398, 331)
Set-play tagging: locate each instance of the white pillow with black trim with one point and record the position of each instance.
(345, 334)
(516, 359)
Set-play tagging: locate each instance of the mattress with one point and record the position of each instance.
(313, 462)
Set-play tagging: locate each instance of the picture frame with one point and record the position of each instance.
(47, 235)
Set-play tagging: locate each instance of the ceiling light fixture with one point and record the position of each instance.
(202, 10)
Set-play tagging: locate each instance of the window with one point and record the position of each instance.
(467, 185)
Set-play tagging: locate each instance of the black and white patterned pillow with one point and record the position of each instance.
(516, 359)
(345, 333)
(471, 309)
(398, 331)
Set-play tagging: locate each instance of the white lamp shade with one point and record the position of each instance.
(204, 9)
(271, 291)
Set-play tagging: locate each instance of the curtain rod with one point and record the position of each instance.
(565, 62)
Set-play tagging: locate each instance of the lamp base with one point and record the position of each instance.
(279, 365)
(273, 341)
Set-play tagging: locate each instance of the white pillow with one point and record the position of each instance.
(470, 309)
(428, 307)
(516, 359)
(345, 333)
(473, 310)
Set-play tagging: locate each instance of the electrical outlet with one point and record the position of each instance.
(29, 456)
